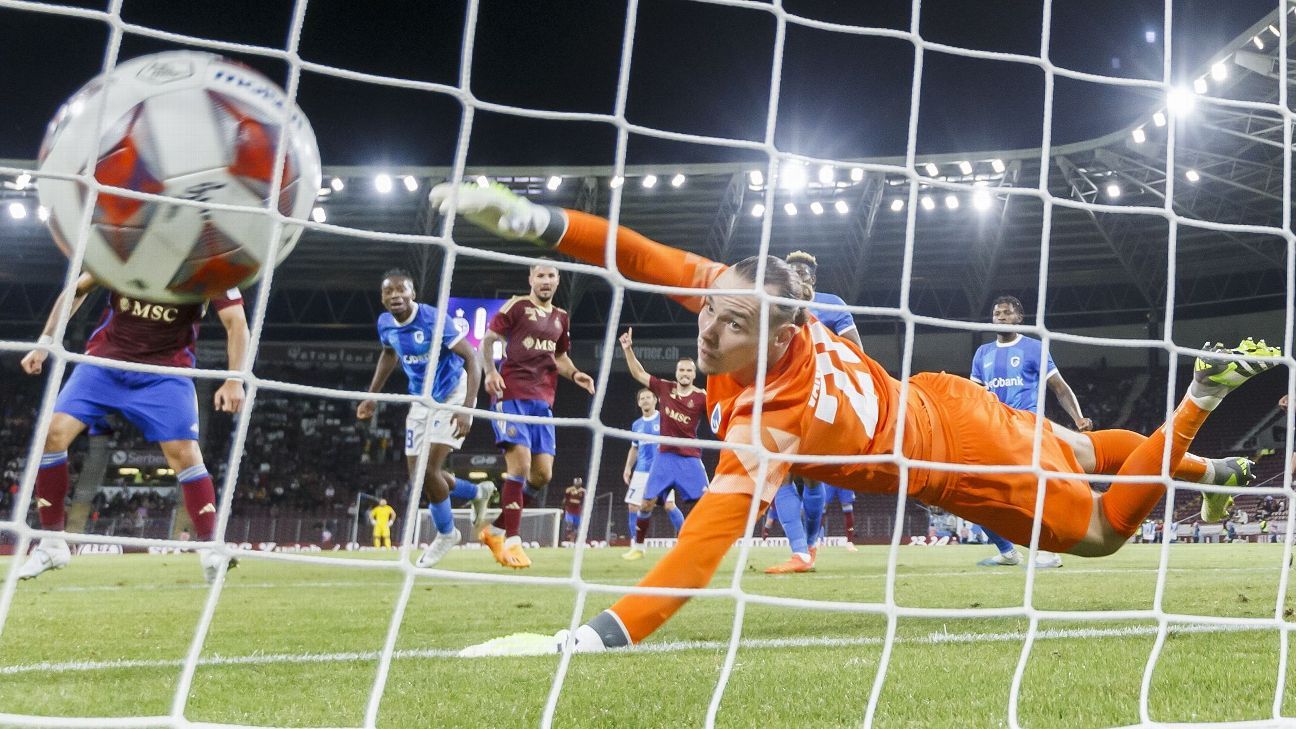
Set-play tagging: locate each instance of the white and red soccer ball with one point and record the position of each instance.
(188, 125)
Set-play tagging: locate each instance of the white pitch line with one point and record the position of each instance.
(262, 659)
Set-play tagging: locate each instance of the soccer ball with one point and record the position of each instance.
(186, 125)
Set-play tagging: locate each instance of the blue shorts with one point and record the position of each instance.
(534, 437)
(685, 474)
(163, 407)
(573, 519)
(845, 496)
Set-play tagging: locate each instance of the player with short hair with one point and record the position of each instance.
(573, 503)
(163, 407)
(382, 517)
(640, 458)
(676, 469)
(823, 396)
(407, 332)
(535, 354)
(801, 507)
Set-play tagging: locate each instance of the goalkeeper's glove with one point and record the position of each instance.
(498, 210)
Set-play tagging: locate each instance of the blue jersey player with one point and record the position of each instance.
(1011, 367)
(800, 513)
(407, 332)
(640, 458)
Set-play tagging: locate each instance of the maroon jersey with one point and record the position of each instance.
(132, 330)
(535, 336)
(575, 497)
(680, 414)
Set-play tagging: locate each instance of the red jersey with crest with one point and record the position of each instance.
(573, 499)
(680, 414)
(535, 336)
(133, 330)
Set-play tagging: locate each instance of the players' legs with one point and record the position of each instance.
(541, 471)
(52, 478)
(814, 500)
(673, 512)
(788, 503)
(196, 485)
(1105, 451)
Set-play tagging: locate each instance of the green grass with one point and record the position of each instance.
(294, 619)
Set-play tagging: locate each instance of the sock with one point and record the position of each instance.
(1126, 505)
(849, 516)
(1003, 545)
(442, 516)
(51, 490)
(463, 489)
(677, 519)
(199, 500)
(813, 498)
(1113, 447)
(641, 526)
(632, 515)
(511, 505)
(788, 504)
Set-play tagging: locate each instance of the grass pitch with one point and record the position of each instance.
(296, 644)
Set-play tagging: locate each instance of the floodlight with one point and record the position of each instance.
(22, 181)
(790, 209)
(337, 184)
(928, 203)
(318, 215)
(383, 183)
(965, 167)
(997, 165)
(1200, 85)
(827, 175)
(857, 174)
(553, 183)
(756, 178)
(1113, 190)
(932, 169)
(17, 210)
(1181, 101)
(1192, 175)
(793, 176)
(816, 207)
(981, 199)
(1158, 118)
(897, 205)
(841, 207)
(758, 210)
(952, 202)
(678, 180)
(411, 184)
(1139, 136)
(1219, 71)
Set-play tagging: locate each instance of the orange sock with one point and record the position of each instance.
(716, 522)
(1126, 505)
(1113, 447)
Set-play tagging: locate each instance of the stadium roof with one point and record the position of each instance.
(1102, 264)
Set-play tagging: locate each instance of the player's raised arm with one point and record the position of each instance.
(636, 369)
(229, 396)
(382, 370)
(579, 235)
(34, 361)
(472, 383)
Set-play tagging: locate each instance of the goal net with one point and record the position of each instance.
(1130, 641)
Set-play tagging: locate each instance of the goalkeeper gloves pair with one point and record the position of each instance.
(497, 209)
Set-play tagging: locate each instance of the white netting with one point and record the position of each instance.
(888, 607)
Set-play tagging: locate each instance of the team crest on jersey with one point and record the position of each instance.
(419, 337)
(532, 314)
(125, 304)
(1015, 361)
(715, 418)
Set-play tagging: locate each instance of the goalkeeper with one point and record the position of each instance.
(824, 396)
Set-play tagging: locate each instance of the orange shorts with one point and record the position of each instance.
(970, 426)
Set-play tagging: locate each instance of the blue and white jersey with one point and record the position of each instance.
(647, 448)
(839, 322)
(412, 341)
(1011, 371)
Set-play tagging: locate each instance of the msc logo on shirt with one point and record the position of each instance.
(145, 310)
(678, 417)
(544, 345)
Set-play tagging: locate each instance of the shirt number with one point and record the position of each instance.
(856, 385)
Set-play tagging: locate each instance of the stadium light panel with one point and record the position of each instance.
(17, 210)
(1113, 190)
(827, 175)
(897, 205)
(324, 191)
(1181, 101)
(756, 178)
(981, 199)
(553, 183)
(1200, 86)
(411, 184)
(932, 169)
(794, 176)
(965, 167)
(998, 166)
(337, 184)
(758, 210)
(928, 203)
(841, 207)
(1273, 29)
(1259, 44)
(42, 213)
(383, 183)
(1149, 36)
(22, 181)
(816, 207)
(483, 181)
(857, 174)
(678, 180)
(1192, 175)
(318, 215)
(616, 182)
(952, 202)
(790, 209)
(1219, 71)
(1158, 118)
(649, 182)
(1139, 135)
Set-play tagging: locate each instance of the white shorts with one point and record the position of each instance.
(440, 431)
(638, 482)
